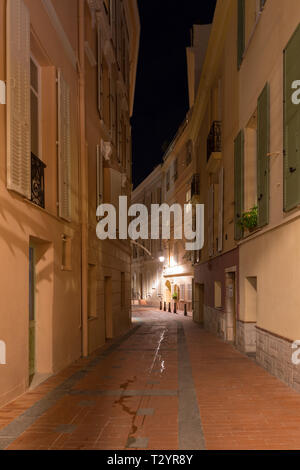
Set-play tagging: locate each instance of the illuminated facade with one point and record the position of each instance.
(69, 68)
(146, 283)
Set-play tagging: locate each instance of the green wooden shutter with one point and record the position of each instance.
(263, 148)
(241, 32)
(238, 184)
(291, 124)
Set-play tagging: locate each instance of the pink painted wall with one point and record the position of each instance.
(214, 270)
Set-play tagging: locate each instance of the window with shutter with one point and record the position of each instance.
(64, 149)
(100, 73)
(113, 125)
(189, 293)
(18, 98)
(182, 292)
(221, 205)
(241, 32)
(113, 19)
(211, 220)
(263, 148)
(119, 31)
(99, 176)
(168, 181)
(238, 184)
(291, 124)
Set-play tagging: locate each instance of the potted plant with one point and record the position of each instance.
(249, 219)
(175, 296)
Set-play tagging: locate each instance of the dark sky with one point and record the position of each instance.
(161, 99)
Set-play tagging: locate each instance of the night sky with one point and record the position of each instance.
(161, 99)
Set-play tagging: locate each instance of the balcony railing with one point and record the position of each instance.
(214, 139)
(37, 181)
(195, 185)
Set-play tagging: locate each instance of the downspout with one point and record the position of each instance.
(83, 183)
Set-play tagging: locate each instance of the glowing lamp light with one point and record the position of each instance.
(161, 259)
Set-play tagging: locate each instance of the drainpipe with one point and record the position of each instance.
(83, 185)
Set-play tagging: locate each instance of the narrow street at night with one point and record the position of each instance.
(149, 229)
(167, 384)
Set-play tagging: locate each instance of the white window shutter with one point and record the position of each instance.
(64, 149)
(18, 98)
(211, 220)
(100, 73)
(99, 176)
(221, 205)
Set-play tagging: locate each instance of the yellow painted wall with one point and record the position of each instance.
(271, 256)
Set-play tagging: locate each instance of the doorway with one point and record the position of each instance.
(231, 317)
(198, 311)
(32, 312)
(40, 310)
(108, 307)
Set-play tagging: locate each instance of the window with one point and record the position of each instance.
(106, 96)
(182, 292)
(218, 294)
(238, 184)
(100, 72)
(250, 187)
(158, 198)
(99, 176)
(241, 32)
(35, 107)
(168, 181)
(113, 114)
(113, 19)
(189, 152)
(92, 291)
(189, 293)
(291, 125)
(175, 169)
(18, 99)
(249, 12)
(64, 148)
(122, 290)
(263, 159)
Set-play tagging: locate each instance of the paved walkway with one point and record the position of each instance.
(167, 384)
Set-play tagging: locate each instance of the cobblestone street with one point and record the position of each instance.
(167, 384)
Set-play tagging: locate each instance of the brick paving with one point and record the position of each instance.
(167, 385)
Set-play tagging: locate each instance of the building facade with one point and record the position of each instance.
(69, 72)
(147, 255)
(248, 106)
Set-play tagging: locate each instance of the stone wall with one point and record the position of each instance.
(246, 337)
(214, 321)
(275, 355)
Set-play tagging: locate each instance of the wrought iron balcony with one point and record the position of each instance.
(214, 139)
(37, 181)
(195, 185)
